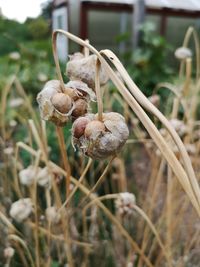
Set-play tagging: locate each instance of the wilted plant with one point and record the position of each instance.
(62, 223)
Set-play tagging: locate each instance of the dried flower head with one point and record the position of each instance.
(15, 56)
(100, 139)
(83, 68)
(125, 203)
(9, 252)
(53, 215)
(28, 176)
(21, 209)
(182, 53)
(57, 106)
(44, 177)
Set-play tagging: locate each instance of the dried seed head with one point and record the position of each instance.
(125, 204)
(83, 68)
(78, 127)
(53, 215)
(80, 108)
(102, 139)
(182, 53)
(47, 109)
(57, 106)
(44, 177)
(21, 209)
(9, 252)
(62, 102)
(27, 176)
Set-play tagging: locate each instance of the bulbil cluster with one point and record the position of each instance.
(96, 138)
(59, 105)
(100, 139)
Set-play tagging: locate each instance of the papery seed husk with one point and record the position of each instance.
(84, 69)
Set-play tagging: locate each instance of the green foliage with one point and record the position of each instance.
(147, 64)
(38, 28)
(10, 29)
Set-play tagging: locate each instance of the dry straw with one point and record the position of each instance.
(139, 103)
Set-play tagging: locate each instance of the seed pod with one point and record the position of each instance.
(9, 252)
(44, 177)
(94, 129)
(80, 108)
(125, 203)
(78, 128)
(28, 175)
(57, 106)
(53, 215)
(82, 90)
(21, 209)
(62, 102)
(101, 139)
(83, 68)
(182, 53)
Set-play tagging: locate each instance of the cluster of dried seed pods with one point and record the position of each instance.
(59, 102)
(59, 105)
(100, 139)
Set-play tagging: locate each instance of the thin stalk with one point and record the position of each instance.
(98, 90)
(77, 186)
(99, 181)
(65, 160)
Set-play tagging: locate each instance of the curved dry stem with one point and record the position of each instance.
(143, 101)
(190, 189)
(191, 31)
(23, 244)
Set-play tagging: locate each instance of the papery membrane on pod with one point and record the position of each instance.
(21, 209)
(57, 106)
(100, 139)
(83, 68)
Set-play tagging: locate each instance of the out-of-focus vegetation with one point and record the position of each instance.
(148, 64)
(25, 50)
